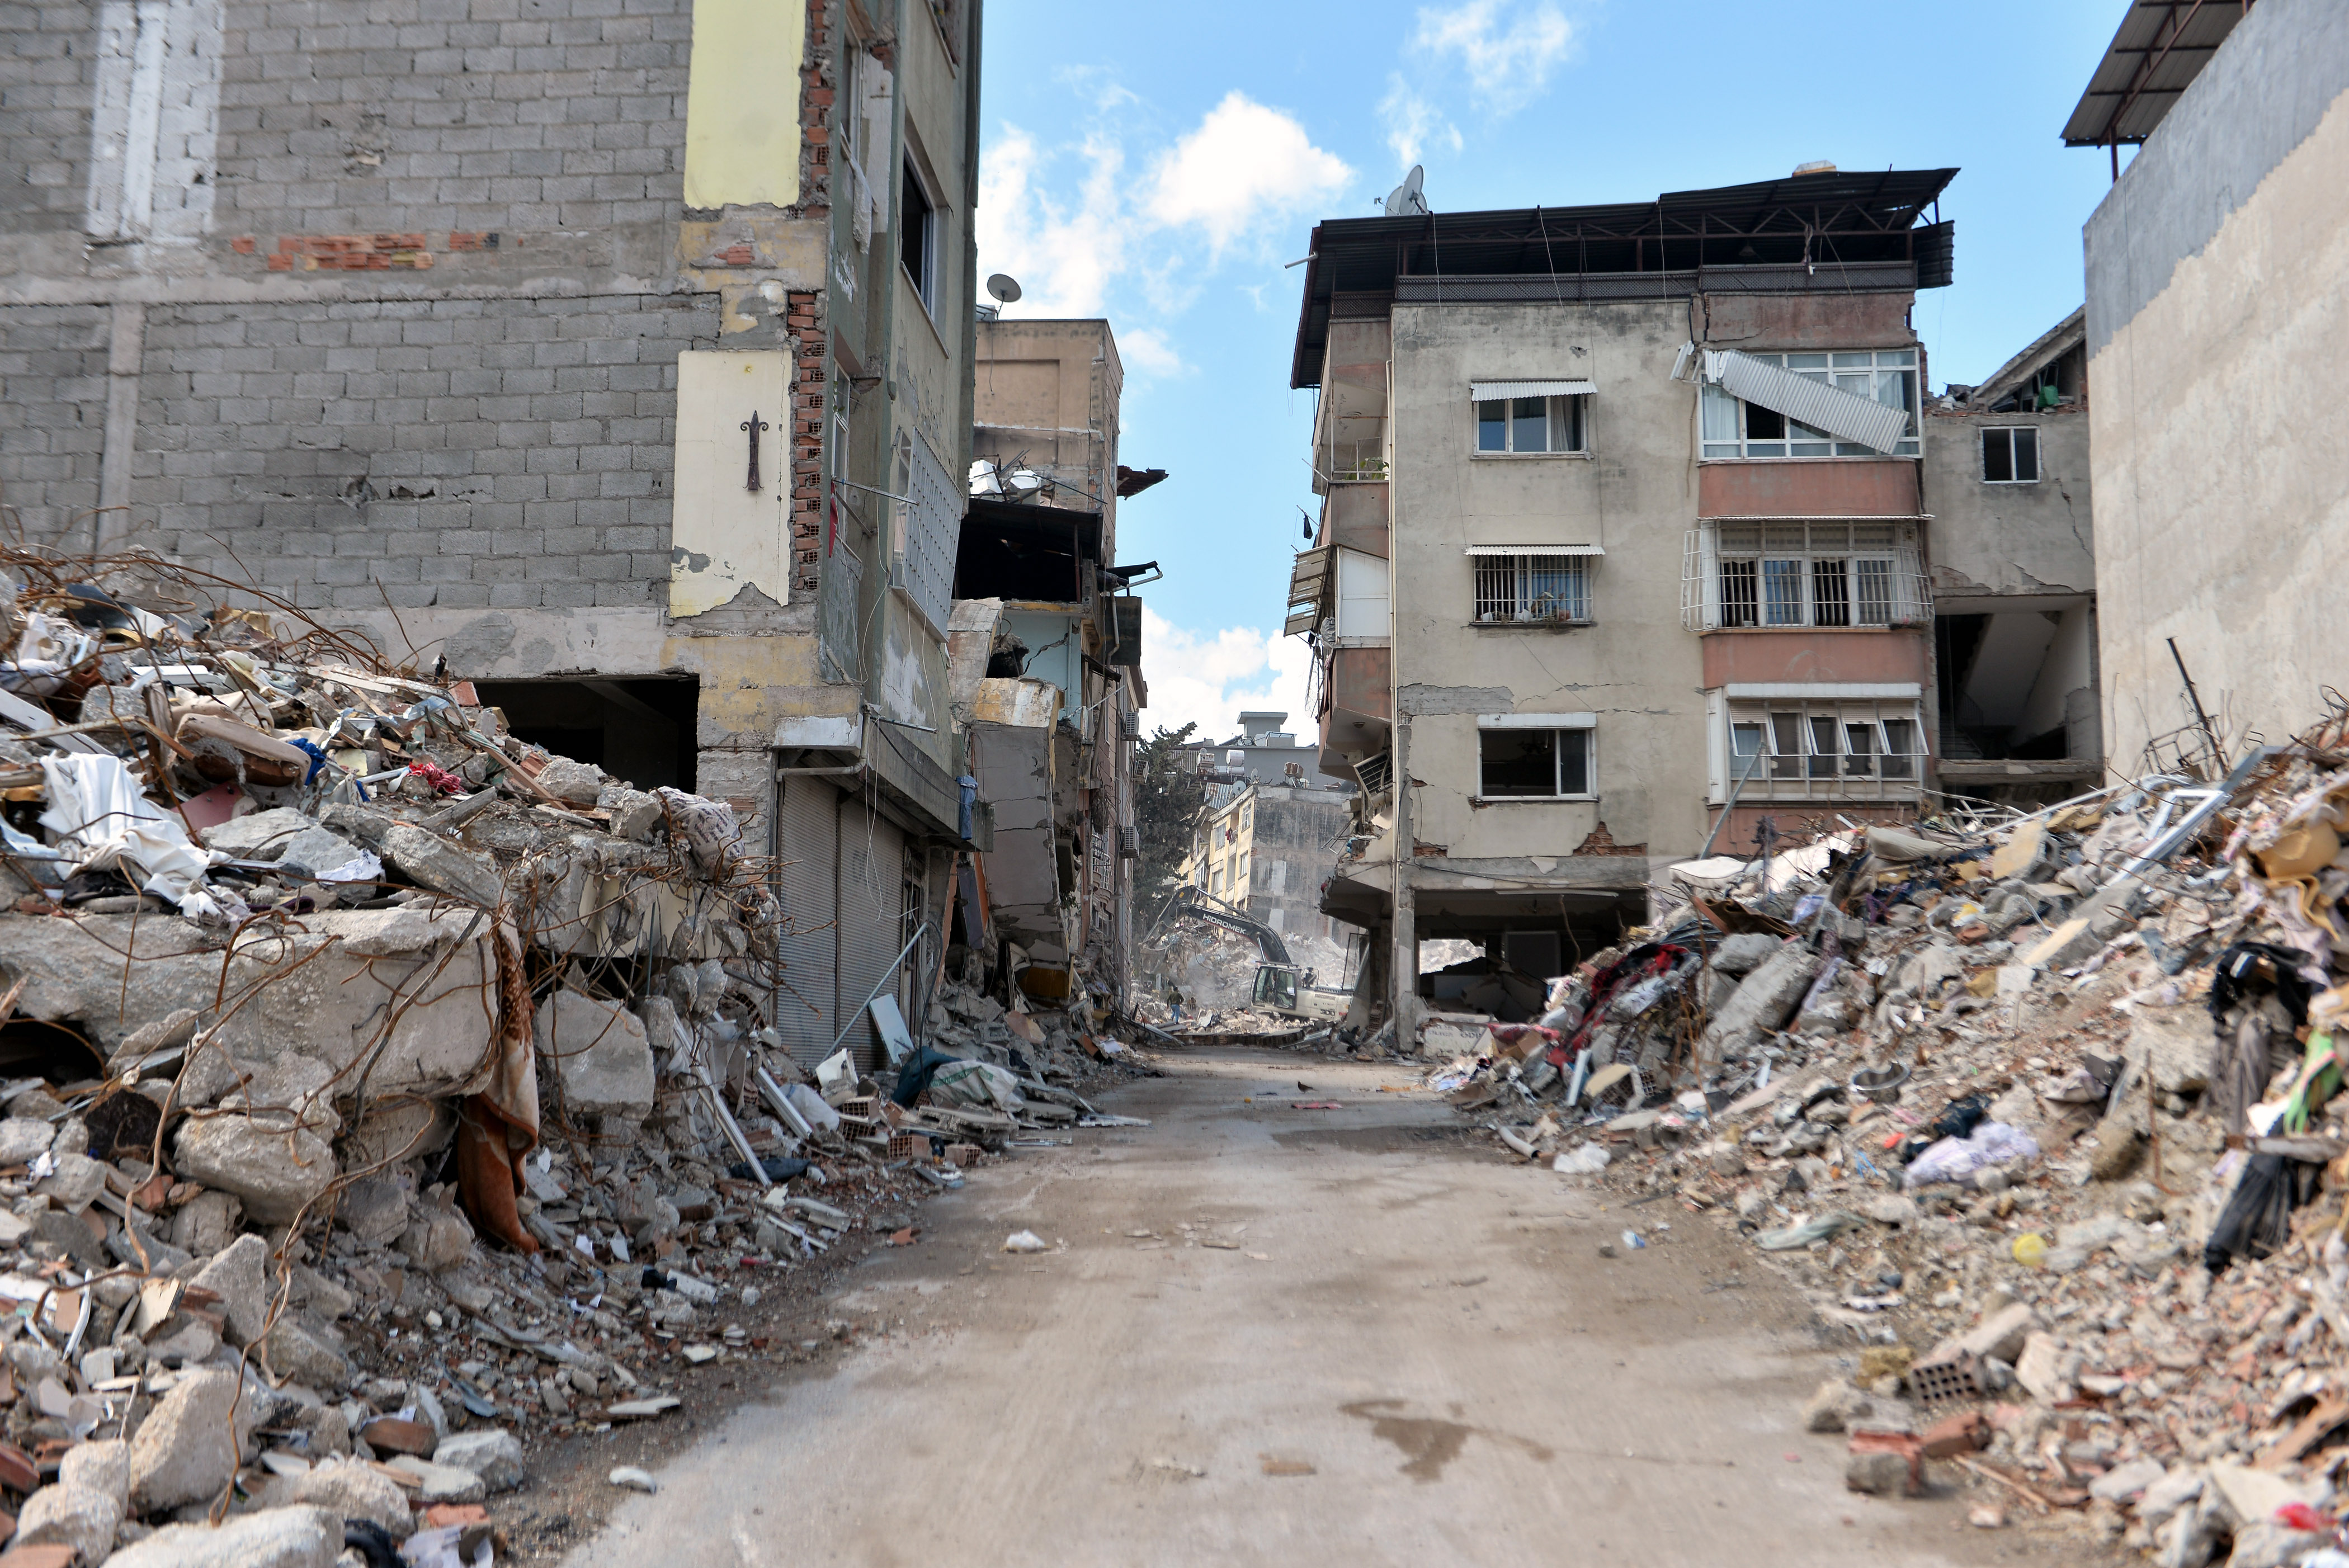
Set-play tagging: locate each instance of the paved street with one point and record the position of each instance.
(1411, 1353)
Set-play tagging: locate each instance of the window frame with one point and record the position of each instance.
(2013, 466)
(917, 226)
(1588, 746)
(1846, 574)
(1787, 734)
(1560, 422)
(1522, 571)
(1715, 445)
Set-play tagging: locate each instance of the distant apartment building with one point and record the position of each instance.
(1267, 849)
(2015, 578)
(2217, 315)
(1264, 751)
(1621, 546)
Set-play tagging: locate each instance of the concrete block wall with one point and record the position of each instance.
(340, 116)
(52, 418)
(502, 453)
(47, 78)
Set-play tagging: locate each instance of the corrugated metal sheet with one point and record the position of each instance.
(1843, 414)
(1308, 591)
(810, 942)
(1485, 391)
(1535, 549)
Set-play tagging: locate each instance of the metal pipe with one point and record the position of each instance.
(919, 932)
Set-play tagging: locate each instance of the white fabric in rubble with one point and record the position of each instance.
(96, 807)
(1957, 1158)
(977, 1083)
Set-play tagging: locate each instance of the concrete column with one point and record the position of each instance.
(125, 346)
(1405, 978)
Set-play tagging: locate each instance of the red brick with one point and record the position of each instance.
(1955, 1435)
(242, 246)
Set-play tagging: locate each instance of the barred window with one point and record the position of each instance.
(1815, 573)
(1532, 587)
(1822, 748)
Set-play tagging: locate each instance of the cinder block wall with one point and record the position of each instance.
(424, 355)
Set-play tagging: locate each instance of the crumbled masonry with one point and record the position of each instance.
(389, 1095)
(2040, 1114)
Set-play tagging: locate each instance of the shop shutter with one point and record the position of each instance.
(806, 1006)
(872, 912)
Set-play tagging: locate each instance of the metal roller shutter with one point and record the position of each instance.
(872, 910)
(806, 1007)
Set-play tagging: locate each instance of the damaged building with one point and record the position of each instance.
(1047, 653)
(620, 363)
(1622, 547)
(1267, 849)
(2215, 315)
(2015, 578)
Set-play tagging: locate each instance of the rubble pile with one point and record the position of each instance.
(383, 1093)
(2040, 1113)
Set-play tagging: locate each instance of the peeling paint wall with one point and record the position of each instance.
(726, 537)
(741, 118)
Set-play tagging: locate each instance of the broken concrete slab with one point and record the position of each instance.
(350, 1489)
(187, 1450)
(441, 1483)
(298, 1537)
(1764, 1002)
(306, 1352)
(491, 1452)
(261, 836)
(238, 1275)
(2173, 1045)
(81, 1517)
(601, 1058)
(275, 1166)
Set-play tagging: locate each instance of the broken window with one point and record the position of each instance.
(2011, 456)
(917, 238)
(1533, 587)
(1534, 764)
(1528, 425)
(1824, 573)
(1823, 750)
(1731, 428)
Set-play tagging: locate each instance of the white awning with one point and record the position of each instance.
(1535, 549)
(1846, 416)
(1485, 391)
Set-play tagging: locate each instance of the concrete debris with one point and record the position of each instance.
(462, 1063)
(2077, 1071)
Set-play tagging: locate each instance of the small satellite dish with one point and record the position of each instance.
(1405, 200)
(1003, 288)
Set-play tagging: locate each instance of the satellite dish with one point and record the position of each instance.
(1405, 200)
(1003, 288)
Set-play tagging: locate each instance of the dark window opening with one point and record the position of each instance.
(1764, 424)
(917, 238)
(1534, 763)
(642, 731)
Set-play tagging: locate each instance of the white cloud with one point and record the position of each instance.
(1413, 124)
(1210, 678)
(1064, 253)
(1507, 66)
(1148, 350)
(1244, 163)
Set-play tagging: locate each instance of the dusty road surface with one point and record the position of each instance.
(1284, 1336)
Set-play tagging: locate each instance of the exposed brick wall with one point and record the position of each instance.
(352, 116)
(52, 416)
(48, 76)
(819, 85)
(507, 453)
(803, 330)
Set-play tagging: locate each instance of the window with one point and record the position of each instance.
(1819, 572)
(2011, 456)
(1822, 748)
(917, 238)
(1532, 587)
(1527, 425)
(1733, 428)
(1532, 764)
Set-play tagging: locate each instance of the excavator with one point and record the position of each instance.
(1280, 986)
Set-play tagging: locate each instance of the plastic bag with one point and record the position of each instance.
(1957, 1158)
(97, 806)
(706, 827)
(1583, 1159)
(2257, 1219)
(976, 1083)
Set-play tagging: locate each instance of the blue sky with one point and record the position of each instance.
(1158, 165)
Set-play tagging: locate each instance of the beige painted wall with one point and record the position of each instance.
(1634, 495)
(2220, 461)
(741, 117)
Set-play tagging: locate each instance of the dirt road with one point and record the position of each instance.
(1285, 1336)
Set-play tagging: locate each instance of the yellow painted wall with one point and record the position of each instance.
(742, 103)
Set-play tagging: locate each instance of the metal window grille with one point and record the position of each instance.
(1803, 573)
(1533, 588)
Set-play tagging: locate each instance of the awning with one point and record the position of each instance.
(1309, 590)
(1846, 416)
(1535, 549)
(1485, 391)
